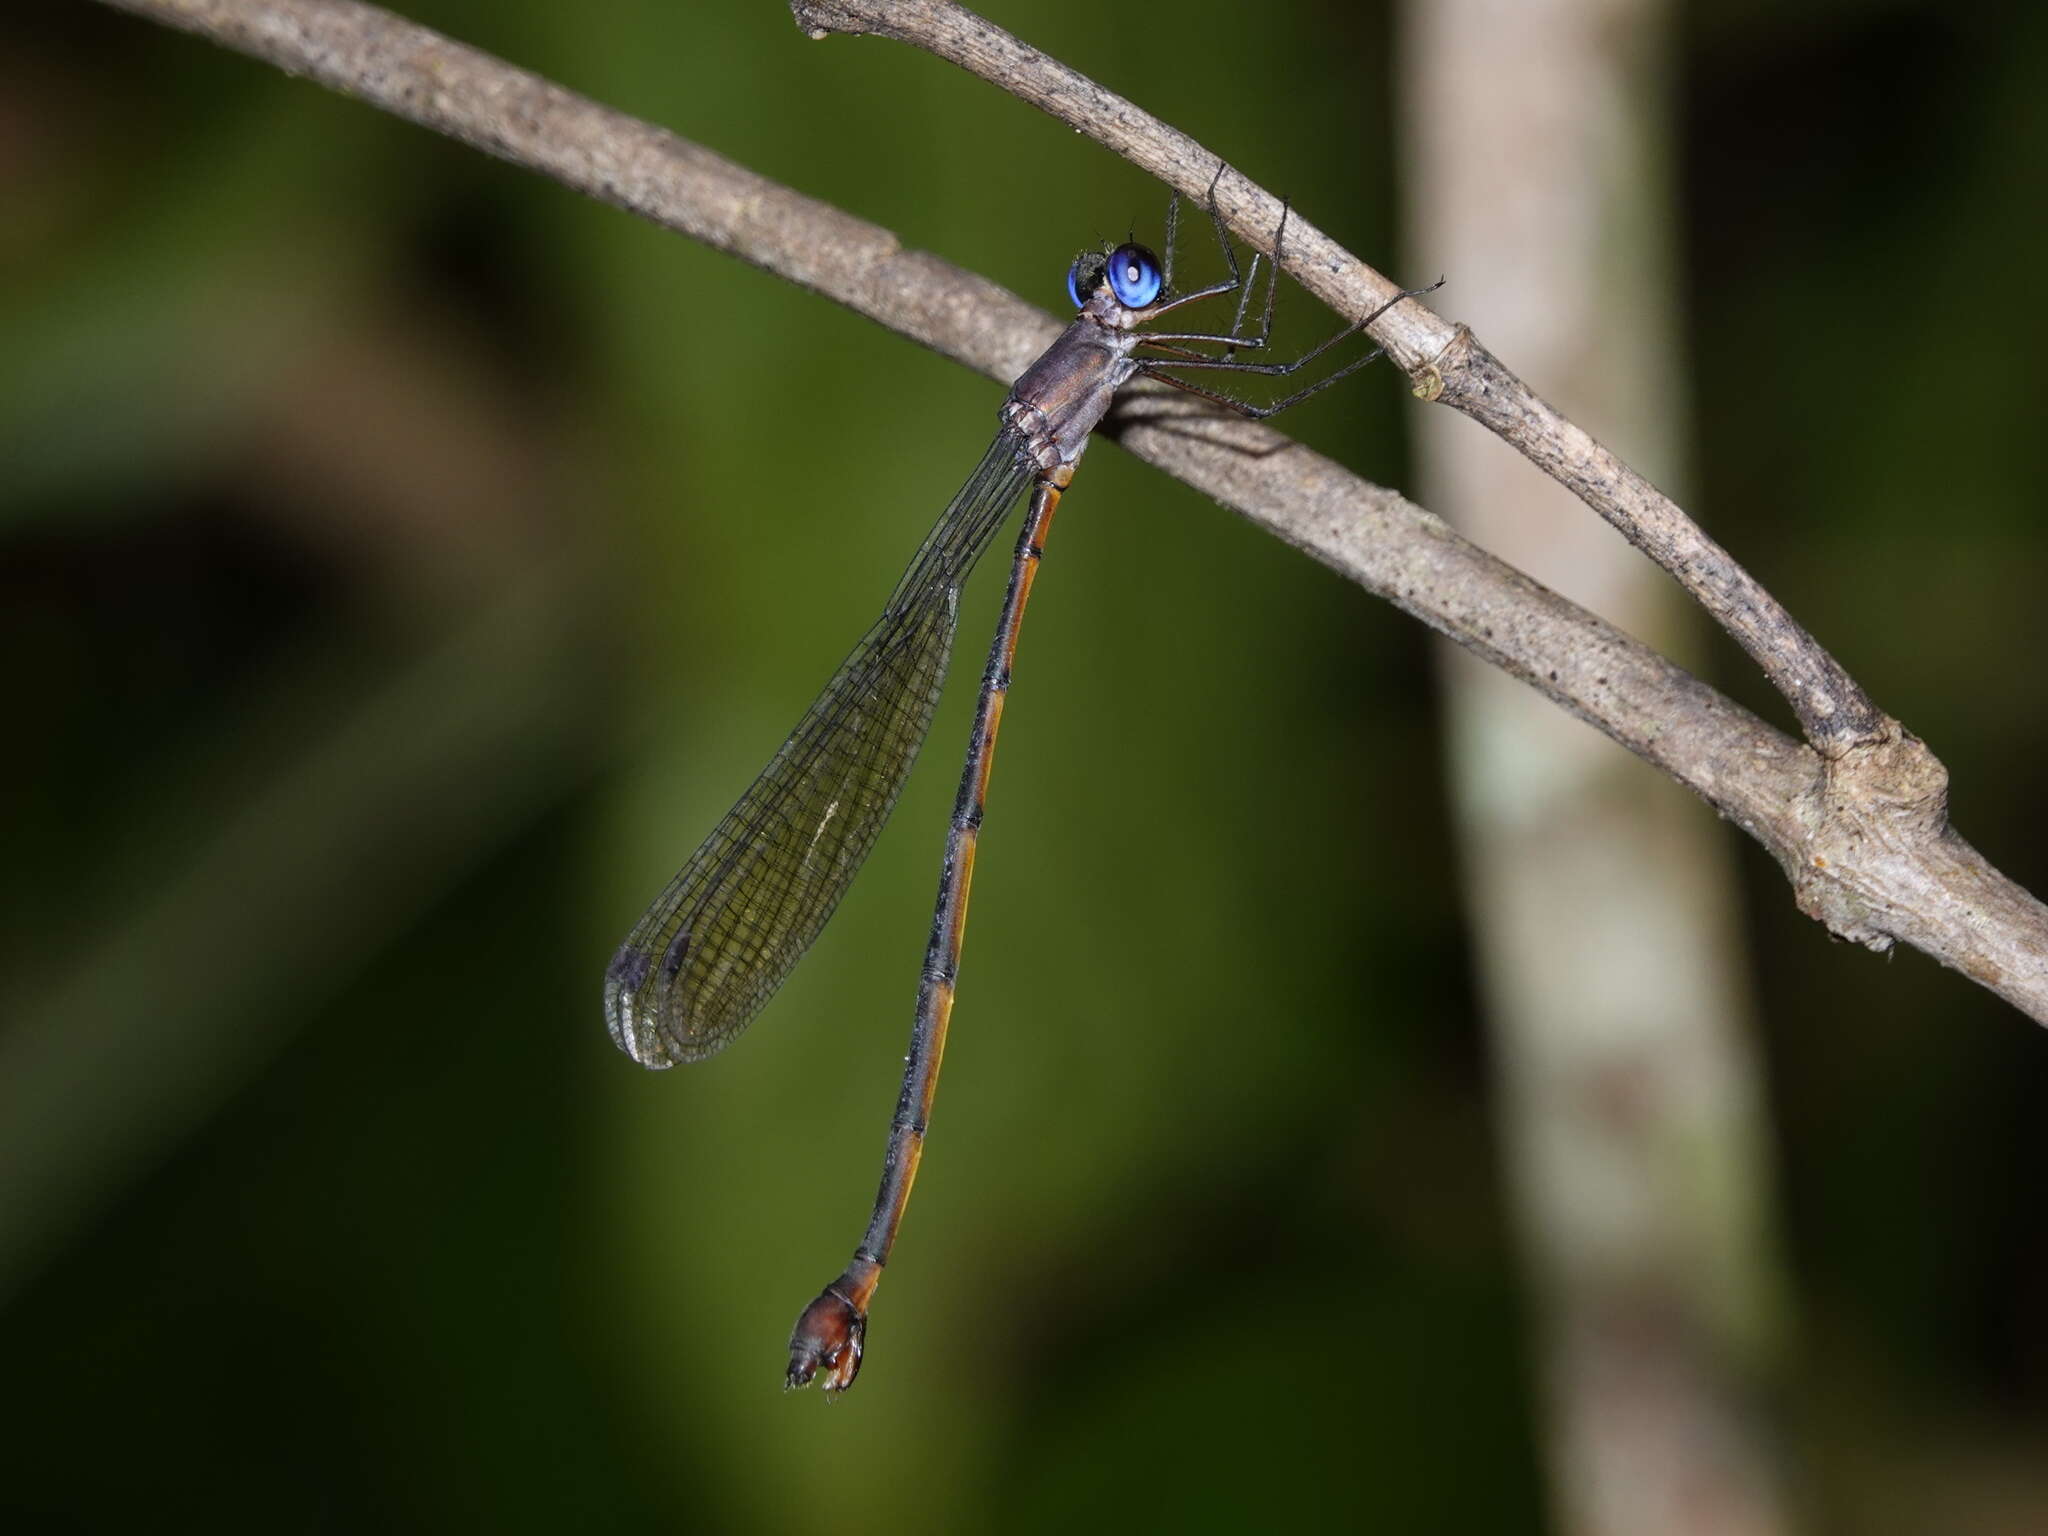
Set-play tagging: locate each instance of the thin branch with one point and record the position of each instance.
(1862, 833)
(1447, 362)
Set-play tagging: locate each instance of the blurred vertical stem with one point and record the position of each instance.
(1602, 898)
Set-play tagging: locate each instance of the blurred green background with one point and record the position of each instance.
(405, 561)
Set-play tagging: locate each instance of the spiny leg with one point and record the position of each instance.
(1260, 412)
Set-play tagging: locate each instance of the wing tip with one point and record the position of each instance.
(636, 1033)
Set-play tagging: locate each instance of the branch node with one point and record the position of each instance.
(1450, 375)
(818, 21)
(1873, 817)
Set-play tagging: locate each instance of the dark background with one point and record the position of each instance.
(405, 561)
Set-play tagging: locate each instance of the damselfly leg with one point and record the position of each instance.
(1179, 347)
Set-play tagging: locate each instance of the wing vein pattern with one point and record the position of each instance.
(737, 917)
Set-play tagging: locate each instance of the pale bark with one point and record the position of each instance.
(1603, 909)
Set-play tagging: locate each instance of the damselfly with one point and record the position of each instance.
(720, 939)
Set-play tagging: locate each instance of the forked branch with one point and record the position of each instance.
(1446, 361)
(1857, 815)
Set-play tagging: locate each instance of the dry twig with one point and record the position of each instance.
(1858, 816)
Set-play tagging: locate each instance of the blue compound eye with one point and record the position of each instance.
(1074, 282)
(1134, 276)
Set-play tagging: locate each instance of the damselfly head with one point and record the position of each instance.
(1131, 270)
